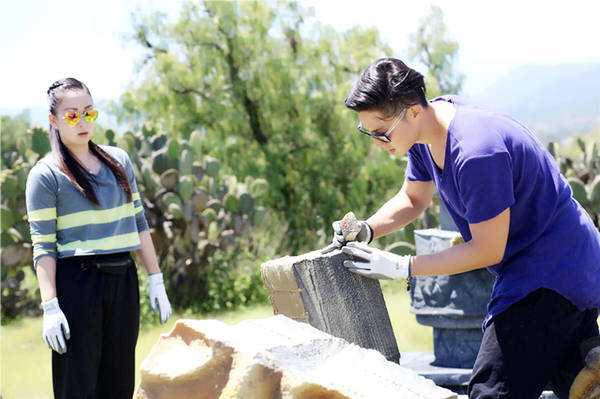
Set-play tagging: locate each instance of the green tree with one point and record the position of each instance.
(431, 47)
(264, 86)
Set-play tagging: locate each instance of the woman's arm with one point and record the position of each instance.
(486, 248)
(412, 199)
(46, 274)
(147, 253)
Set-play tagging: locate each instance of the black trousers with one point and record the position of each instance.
(531, 346)
(103, 312)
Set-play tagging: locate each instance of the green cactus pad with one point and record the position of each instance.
(259, 188)
(175, 210)
(231, 203)
(213, 232)
(578, 189)
(148, 129)
(246, 203)
(171, 198)
(214, 204)
(169, 178)
(594, 194)
(401, 248)
(185, 162)
(7, 217)
(212, 166)
(258, 216)
(174, 149)
(159, 141)
(186, 187)
(10, 187)
(110, 135)
(196, 142)
(40, 142)
(210, 214)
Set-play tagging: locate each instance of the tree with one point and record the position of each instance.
(432, 48)
(265, 89)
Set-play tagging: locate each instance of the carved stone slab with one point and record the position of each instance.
(319, 290)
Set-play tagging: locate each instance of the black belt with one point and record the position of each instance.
(109, 263)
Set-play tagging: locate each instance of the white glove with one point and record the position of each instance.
(338, 241)
(158, 297)
(376, 263)
(55, 326)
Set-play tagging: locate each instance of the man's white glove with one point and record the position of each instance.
(375, 263)
(55, 326)
(158, 297)
(364, 235)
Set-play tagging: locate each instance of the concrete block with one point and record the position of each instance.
(272, 358)
(317, 289)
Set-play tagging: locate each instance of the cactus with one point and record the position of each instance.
(212, 166)
(401, 248)
(186, 187)
(583, 175)
(194, 209)
(174, 149)
(186, 163)
(40, 142)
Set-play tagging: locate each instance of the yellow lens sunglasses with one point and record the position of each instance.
(73, 118)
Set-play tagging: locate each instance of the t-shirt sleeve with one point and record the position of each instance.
(40, 198)
(415, 169)
(140, 217)
(486, 186)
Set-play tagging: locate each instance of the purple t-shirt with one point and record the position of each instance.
(492, 163)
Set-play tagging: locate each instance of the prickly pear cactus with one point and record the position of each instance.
(196, 210)
(583, 175)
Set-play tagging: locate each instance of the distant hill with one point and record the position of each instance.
(553, 101)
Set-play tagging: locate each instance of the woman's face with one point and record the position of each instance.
(403, 135)
(79, 134)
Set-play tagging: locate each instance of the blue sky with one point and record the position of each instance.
(494, 37)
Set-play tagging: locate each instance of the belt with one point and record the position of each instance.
(108, 263)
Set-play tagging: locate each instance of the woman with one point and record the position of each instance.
(85, 216)
(515, 212)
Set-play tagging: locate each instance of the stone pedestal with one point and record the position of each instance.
(455, 307)
(318, 289)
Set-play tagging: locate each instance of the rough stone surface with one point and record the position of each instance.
(319, 290)
(271, 358)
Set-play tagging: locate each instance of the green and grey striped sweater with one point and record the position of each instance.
(64, 223)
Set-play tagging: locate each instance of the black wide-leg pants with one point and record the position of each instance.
(533, 345)
(103, 312)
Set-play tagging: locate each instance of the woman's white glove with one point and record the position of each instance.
(158, 297)
(55, 326)
(375, 263)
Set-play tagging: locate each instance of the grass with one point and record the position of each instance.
(25, 367)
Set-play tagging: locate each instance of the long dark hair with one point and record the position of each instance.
(66, 161)
(388, 86)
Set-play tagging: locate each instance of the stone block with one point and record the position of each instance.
(317, 289)
(276, 358)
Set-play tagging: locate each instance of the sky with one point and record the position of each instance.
(42, 41)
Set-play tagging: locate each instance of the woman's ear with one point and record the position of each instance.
(52, 120)
(415, 110)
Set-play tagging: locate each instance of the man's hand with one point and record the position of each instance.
(375, 263)
(158, 297)
(55, 326)
(361, 232)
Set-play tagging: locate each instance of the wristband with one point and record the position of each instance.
(409, 275)
(371, 233)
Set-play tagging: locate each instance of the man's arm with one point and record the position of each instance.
(412, 199)
(486, 248)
